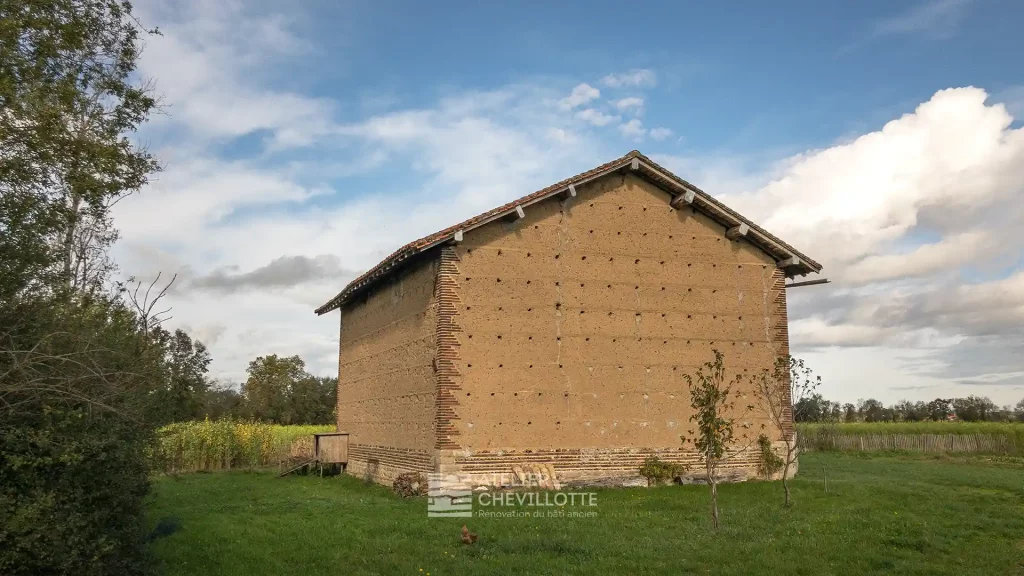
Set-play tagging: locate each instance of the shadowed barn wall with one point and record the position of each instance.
(575, 325)
(386, 384)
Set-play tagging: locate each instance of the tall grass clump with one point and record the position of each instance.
(229, 444)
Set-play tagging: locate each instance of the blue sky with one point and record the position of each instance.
(304, 141)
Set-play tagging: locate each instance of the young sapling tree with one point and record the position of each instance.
(780, 392)
(714, 400)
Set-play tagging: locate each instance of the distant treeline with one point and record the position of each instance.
(815, 408)
(278, 389)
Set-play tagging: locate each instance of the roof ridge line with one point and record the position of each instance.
(635, 159)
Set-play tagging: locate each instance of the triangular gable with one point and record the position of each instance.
(683, 194)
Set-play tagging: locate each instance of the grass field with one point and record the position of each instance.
(883, 514)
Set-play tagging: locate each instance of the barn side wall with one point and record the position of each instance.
(386, 383)
(578, 322)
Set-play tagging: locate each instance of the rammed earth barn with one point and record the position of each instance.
(556, 330)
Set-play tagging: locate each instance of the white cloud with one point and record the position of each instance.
(633, 78)
(1013, 99)
(660, 133)
(856, 199)
(596, 117)
(931, 16)
(209, 73)
(926, 259)
(917, 224)
(629, 103)
(231, 228)
(580, 95)
(633, 129)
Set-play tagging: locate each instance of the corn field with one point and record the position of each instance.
(230, 444)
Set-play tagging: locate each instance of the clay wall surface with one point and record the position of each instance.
(578, 322)
(386, 386)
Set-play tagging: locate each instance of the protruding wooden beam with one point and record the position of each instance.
(516, 214)
(684, 199)
(808, 283)
(569, 192)
(635, 164)
(458, 236)
(572, 190)
(737, 231)
(791, 261)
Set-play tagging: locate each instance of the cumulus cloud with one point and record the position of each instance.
(262, 238)
(925, 259)
(596, 117)
(630, 103)
(633, 78)
(580, 95)
(916, 222)
(1013, 99)
(218, 89)
(918, 226)
(633, 129)
(860, 198)
(660, 133)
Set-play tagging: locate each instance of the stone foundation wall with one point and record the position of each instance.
(382, 464)
(596, 466)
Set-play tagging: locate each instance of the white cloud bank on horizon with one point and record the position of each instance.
(916, 222)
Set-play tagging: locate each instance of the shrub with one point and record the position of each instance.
(657, 471)
(410, 484)
(72, 495)
(769, 461)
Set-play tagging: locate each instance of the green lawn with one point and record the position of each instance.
(882, 515)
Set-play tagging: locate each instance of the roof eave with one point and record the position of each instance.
(793, 262)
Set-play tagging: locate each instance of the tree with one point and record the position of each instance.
(973, 408)
(77, 368)
(184, 386)
(1018, 411)
(268, 387)
(849, 412)
(872, 410)
(313, 400)
(280, 390)
(222, 400)
(939, 409)
(811, 408)
(907, 411)
(782, 393)
(714, 404)
(68, 98)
